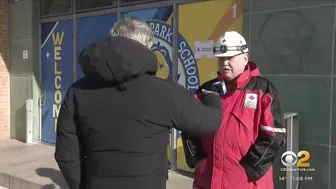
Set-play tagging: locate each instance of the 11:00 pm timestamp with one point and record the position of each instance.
(300, 178)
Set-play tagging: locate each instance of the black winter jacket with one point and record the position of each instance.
(113, 124)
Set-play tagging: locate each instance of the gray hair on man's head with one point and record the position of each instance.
(135, 29)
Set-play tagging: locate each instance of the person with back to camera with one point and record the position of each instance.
(113, 124)
(241, 153)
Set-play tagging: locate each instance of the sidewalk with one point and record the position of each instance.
(32, 166)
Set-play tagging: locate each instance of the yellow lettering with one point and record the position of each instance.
(56, 71)
(58, 40)
(58, 97)
(58, 79)
(302, 162)
(57, 53)
(56, 124)
(56, 110)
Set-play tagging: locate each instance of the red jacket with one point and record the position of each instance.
(241, 153)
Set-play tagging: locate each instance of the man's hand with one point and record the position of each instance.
(208, 92)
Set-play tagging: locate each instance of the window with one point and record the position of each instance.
(54, 7)
(93, 4)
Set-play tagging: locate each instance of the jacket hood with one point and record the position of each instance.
(253, 69)
(117, 59)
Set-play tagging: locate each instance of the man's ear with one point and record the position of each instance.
(246, 58)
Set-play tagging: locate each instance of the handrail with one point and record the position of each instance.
(292, 126)
(290, 114)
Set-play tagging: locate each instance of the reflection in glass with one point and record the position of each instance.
(138, 1)
(293, 42)
(53, 7)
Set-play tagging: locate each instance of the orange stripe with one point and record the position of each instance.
(227, 20)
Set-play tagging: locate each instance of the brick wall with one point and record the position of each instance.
(4, 74)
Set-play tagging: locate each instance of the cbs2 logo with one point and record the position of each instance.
(289, 158)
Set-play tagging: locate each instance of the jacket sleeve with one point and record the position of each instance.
(271, 137)
(192, 145)
(195, 117)
(67, 152)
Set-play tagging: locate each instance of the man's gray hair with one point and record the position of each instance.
(135, 29)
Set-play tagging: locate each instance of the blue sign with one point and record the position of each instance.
(57, 72)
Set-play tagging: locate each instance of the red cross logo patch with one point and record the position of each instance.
(251, 100)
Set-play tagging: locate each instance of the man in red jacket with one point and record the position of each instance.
(241, 153)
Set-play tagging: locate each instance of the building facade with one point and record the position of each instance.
(4, 73)
(293, 42)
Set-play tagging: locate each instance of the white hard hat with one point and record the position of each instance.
(230, 44)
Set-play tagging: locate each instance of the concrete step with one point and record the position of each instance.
(32, 166)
